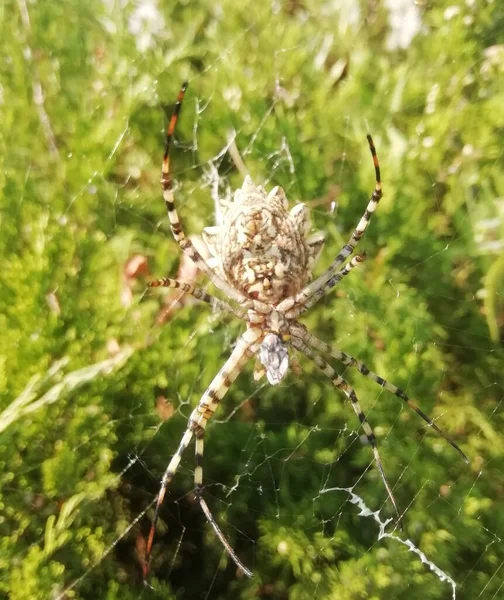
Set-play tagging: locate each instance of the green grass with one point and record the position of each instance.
(84, 360)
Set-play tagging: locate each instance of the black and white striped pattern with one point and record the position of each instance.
(333, 281)
(198, 293)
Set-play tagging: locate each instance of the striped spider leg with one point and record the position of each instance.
(198, 293)
(244, 350)
(310, 294)
(176, 227)
(304, 341)
(348, 360)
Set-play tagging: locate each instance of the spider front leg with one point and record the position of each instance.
(326, 281)
(334, 280)
(244, 350)
(177, 230)
(341, 384)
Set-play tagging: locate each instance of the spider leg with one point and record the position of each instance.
(350, 361)
(178, 233)
(198, 492)
(334, 280)
(341, 384)
(198, 293)
(321, 283)
(167, 477)
(245, 348)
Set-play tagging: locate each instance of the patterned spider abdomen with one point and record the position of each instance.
(263, 249)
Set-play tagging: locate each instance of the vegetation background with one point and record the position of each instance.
(97, 377)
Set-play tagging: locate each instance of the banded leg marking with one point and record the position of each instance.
(166, 180)
(243, 351)
(198, 459)
(350, 361)
(319, 283)
(178, 233)
(332, 282)
(198, 293)
(349, 392)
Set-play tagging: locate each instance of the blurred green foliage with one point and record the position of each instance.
(85, 365)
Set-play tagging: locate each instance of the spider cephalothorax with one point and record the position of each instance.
(264, 250)
(262, 260)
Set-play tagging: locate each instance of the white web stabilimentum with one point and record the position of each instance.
(254, 459)
(365, 511)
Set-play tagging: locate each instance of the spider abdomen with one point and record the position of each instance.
(263, 248)
(264, 254)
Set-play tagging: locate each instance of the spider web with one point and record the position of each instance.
(288, 473)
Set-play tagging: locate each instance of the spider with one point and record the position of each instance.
(262, 258)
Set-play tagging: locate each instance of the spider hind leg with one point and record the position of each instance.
(349, 392)
(242, 353)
